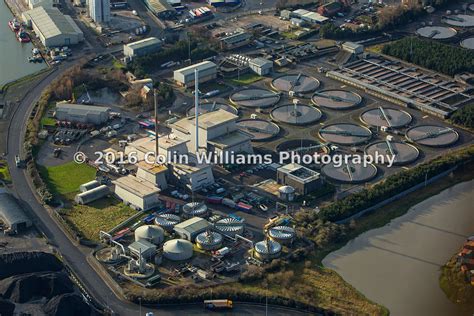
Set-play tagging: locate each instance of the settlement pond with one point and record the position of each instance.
(399, 265)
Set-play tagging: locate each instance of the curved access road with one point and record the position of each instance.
(76, 256)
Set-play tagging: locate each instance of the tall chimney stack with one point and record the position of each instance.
(196, 107)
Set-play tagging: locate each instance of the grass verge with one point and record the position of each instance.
(4, 173)
(102, 214)
(245, 79)
(66, 178)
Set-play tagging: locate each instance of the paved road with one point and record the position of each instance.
(76, 256)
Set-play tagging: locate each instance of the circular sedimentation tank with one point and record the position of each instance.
(345, 134)
(350, 173)
(297, 83)
(255, 98)
(386, 117)
(468, 43)
(259, 129)
(404, 153)
(229, 226)
(209, 240)
(282, 234)
(432, 135)
(151, 233)
(167, 221)
(336, 99)
(177, 249)
(306, 146)
(212, 106)
(267, 249)
(459, 20)
(195, 209)
(299, 114)
(436, 32)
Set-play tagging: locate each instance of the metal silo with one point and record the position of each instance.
(194, 209)
(267, 249)
(282, 234)
(229, 226)
(167, 221)
(209, 240)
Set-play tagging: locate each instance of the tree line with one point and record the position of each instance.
(464, 116)
(447, 59)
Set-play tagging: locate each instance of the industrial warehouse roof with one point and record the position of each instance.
(80, 109)
(195, 224)
(188, 169)
(206, 120)
(146, 144)
(236, 37)
(205, 65)
(136, 186)
(143, 43)
(152, 168)
(159, 6)
(51, 22)
(261, 62)
(230, 139)
(299, 172)
(11, 212)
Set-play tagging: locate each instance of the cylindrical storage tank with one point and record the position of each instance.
(92, 195)
(209, 240)
(229, 226)
(177, 249)
(89, 185)
(167, 221)
(287, 193)
(194, 209)
(267, 249)
(150, 233)
(282, 234)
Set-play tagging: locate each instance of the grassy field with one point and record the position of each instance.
(4, 173)
(245, 79)
(102, 214)
(48, 121)
(65, 179)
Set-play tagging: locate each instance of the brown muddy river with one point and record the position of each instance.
(398, 265)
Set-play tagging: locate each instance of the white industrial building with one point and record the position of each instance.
(12, 214)
(185, 76)
(302, 179)
(353, 48)
(99, 11)
(138, 193)
(142, 47)
(87, 114)
(194, 178)
(192, 227)
(261, 66)
(308, 16)
(143, 247)
(153, 173)
(218, 133)
(52, 27)
(168, 146)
